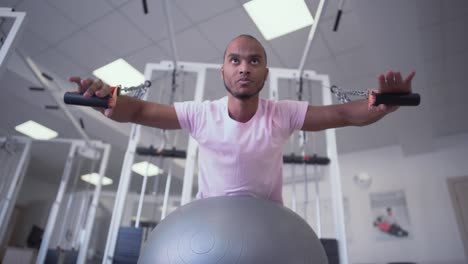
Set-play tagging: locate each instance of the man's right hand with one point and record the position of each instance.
(93, 87)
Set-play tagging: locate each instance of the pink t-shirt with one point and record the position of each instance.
(241, 158)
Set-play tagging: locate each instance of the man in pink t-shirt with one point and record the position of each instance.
(241, 136)
(241, 158)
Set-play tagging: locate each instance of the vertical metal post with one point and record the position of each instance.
(141, 200)
(82, 254)
(5, 163)
(166, 192)
(170, 27)
(306, 179)
(317, 209)
(121, 194)
(124, 184)
(294, 192)
(78, 231)
(192, 145)
(168, 180)
(318, 13)
(13, 33)
(332, 169)
(69, 202)
(335, 180)
(273, 80)
(56, 206)
(15, 183)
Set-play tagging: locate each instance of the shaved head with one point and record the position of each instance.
(249, 37)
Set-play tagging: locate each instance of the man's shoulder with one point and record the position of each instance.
(205, 103)
(213, 105)
(269, 103)
(272, 105)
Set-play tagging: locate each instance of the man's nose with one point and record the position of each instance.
(244, 68)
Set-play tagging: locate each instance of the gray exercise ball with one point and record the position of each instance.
(228, 230)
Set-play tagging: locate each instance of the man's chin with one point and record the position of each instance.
(242, 95)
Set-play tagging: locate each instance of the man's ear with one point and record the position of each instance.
(222, 72)
(266, 74)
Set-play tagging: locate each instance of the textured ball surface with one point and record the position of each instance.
(227, 230)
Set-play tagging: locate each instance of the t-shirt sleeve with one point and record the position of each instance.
(190, 116)
(291, 114)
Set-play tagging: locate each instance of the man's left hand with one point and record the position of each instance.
(392, 82)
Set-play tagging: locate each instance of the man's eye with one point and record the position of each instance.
(255, 61)
(234, 60)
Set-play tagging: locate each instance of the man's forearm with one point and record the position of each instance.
(357, 113)
(126, 109)
(133, 110)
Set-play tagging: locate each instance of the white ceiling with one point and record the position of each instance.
(68, 37)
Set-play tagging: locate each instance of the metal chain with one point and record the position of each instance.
(136, 91)
(342, 94)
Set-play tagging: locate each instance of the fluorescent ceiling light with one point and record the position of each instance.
(145, 168)
(93, 178)
(275, 18)
(119, 72)
(36, 130)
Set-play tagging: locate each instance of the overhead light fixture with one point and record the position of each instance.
(119, 72)
(275, 18)
(93, 178)
(145, 168)
(36, 130)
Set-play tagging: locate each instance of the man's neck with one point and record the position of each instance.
(242, 110)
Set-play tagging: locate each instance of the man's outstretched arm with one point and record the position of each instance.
(128, 109)
(360, 112)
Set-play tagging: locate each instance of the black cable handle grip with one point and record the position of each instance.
(79, 99)
(401, 99)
